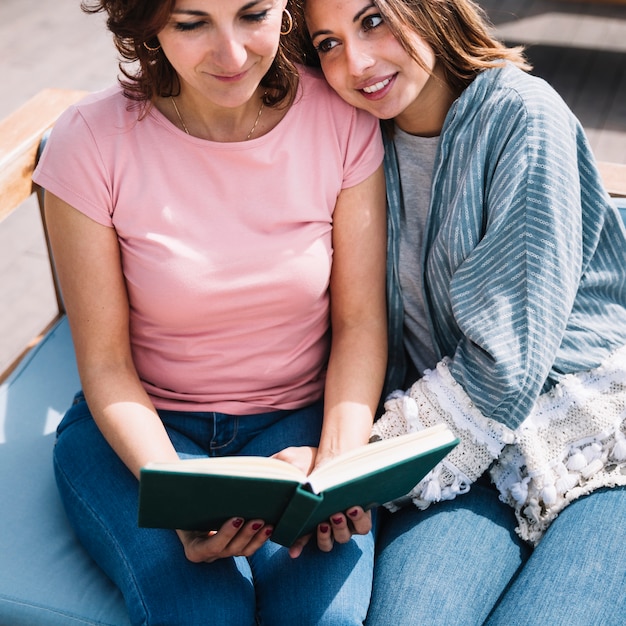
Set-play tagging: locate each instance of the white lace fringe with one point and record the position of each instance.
(436, 398)
(572, 443)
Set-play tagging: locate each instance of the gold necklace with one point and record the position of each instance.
(180, 119)
(256, 121)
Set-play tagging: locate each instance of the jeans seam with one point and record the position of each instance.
(214, 447)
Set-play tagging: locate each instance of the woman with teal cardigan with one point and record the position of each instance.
(507, 312)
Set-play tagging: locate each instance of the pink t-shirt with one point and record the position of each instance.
(226, 247)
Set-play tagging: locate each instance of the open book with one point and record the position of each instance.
(201, 494)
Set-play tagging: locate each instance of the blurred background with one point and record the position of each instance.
(578, 46)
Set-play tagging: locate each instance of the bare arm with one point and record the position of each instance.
(87, 258)
(358, 355)
(359, 339)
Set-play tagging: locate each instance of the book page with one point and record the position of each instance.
(375, 456)
(363, 460)
(263, 467)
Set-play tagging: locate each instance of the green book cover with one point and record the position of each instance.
(368, 491)
(201, 494)
(200, 501)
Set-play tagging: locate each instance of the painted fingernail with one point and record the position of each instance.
(257, 525)
(336, 520)
(268, 532)
(353, 513)
(324, 528)
(237, 522)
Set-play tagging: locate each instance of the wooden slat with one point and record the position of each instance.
(20, 134)
(614, 177)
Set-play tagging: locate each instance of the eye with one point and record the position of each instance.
(372, 21)
(255, 17)
(326, 45)
(185, 27)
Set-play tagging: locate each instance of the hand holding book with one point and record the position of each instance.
(201, 494)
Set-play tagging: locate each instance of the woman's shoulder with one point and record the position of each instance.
(320, 105)
(509, 86)
(106, 97)
(501, 99)
(102, 109)
(311, 77)
(313, 87)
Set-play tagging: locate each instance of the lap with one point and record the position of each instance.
(445, 565)
(318, 587)
(160, 585)
(577, 573)
(456, 561)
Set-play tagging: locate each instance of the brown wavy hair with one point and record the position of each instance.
(456, 30)
(147, 74)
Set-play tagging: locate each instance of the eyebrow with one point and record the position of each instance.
(197, 13)
(355, 19)
(188, 12)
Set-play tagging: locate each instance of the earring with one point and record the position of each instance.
(147, 47)
(289, 21)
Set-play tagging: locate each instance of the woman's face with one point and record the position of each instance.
(221, 49)
(363, 61)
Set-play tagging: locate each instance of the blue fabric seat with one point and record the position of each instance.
(45, 575)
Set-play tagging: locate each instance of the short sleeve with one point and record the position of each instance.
(365, 151)
(71, 168)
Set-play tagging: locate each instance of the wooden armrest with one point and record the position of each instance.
(20, 137)
(20, 134)
(614, 177)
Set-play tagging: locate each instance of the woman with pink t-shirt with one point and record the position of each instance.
(209, 218)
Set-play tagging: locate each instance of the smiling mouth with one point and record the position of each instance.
(377, 87)
(229, 78)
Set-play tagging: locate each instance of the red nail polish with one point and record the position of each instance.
(353, 513)
(336, 520)
(257, 525)
(237, 522)
(324, 528)
(268, 532)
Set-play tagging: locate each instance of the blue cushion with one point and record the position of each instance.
(45, 576)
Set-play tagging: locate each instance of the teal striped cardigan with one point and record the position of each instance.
(524, 255)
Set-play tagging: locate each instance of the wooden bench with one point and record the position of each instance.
(46, 577)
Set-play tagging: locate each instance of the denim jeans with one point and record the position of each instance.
(460, 562)
(159, 584)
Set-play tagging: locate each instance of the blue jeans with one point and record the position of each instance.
(460, 562)
(159, 584)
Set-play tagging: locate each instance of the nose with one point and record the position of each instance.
(358, 58)
(229, 51)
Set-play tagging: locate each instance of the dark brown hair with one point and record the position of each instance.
(147, 74)
(456, 30)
